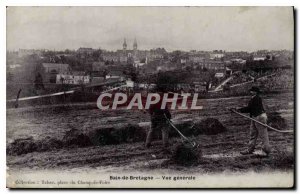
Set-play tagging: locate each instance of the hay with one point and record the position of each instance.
(185, 155)
(102, 136)
(185, 128)
(276, 121)
(108, 136)
(209, 126)
(29, 145)
(48, 144)
(21, 146)
(129, 133)
(125, 134)
(75, 138)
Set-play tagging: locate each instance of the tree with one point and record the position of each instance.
(175, 56)
(168, 81)
(96, 54)
(38, 82)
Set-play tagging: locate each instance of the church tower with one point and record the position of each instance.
(135, 54)
(135, 45)
(124, 45)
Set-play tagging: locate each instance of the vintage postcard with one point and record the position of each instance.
(150, 97)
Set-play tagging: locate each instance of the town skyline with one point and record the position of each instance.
(231, 29)
(169, 51)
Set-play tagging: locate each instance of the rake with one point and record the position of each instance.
(193, 144)
(263, 124)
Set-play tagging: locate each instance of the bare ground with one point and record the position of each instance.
(220, 152)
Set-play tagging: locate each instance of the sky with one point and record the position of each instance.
(174, 28)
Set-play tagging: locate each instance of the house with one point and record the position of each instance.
(137, 64)
(75, 78)
(183, 60)
(116, 75)
(56, 68)
(110, 56)
(212, 65)
(165, 67)
(97, 80)
(238, 61)
(129, 83)
(97, 77)
(196, 59)
(83, 50)
(217, 55)
(98, 66)
(155, 54)
(259, 58)
(50, 70)
(123, 59)
(200, 86)
(219, 75)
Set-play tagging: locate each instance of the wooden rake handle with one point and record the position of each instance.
(263, 124)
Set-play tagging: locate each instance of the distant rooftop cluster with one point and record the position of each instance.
(93, 66)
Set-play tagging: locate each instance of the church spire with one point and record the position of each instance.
(124, 44)
(134, 44)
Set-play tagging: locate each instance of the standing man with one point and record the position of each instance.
(159, 121)
(256, 109)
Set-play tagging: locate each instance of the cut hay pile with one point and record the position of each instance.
(28, 145)
(49, 143)
(125, 134)
(185, 155)
(21, 146)
(209, 126)
(185, 128)
(108, 136)
(75, 138)
(276, 121)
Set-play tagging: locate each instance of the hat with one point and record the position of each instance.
(255, 89)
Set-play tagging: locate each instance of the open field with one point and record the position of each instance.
(220, 152)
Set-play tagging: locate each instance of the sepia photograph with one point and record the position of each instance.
(150, 97)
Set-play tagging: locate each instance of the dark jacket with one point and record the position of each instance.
(255, 107)
(157, 113)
